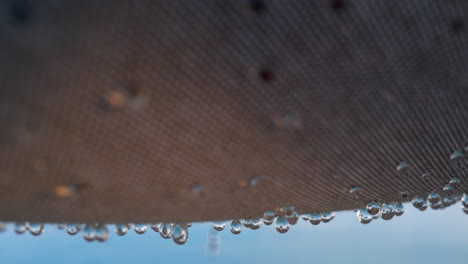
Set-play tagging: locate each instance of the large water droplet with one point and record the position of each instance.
(73, 229)
(268, 217)
(122, 229)
(387, 211)
(247, 223)
(448, 190)
(256, 224)
(236, 227)
(433, 197)
(326, 217)
(20, 228)
(166, 230)
(315, 218)
(156, 227)
(373, 208)
(456, 183)
(419, 203)
(282, 225)
(292, 219)
(140, 228)
(102, 234)
(179, 234)
(35, 229)
(364, 216)
(89, 233)
(219, 226)
(399, 209)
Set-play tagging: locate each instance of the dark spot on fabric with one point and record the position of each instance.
(20, 12)
(338, 5)
(266, 75)
(257, 6)
(457, 26)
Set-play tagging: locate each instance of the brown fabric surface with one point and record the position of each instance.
(115, 110)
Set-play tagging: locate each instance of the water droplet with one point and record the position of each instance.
(419, 203)
(156, 227)
(305, 217)
(61, 226)
(89, 233)
(122, 229)
(387, 211)
(198, 189)
(20, 228)
(448, 190)
(188, 225)
(73, 229)
(425, 175)
(326, 217)
(355, 191)
(3, 226)
(399, 209)
(179, 235)
(282, 225)
(236, 227)
(456, 155)
(315, 218)
(219, 226)
(292, 219)
(102, 234)
(256, 180)
(287, 210)
(140, 228)
(373, 208)
(404, 194)
(456, 183)
(464, 200)
(35, 229)
(268, 217)
(256, 224)
(247, 223)
(465, 210)
(363, 216)
(403, 166)
(166, 230)
(434, 197)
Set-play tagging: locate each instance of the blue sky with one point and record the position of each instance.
(416, 237)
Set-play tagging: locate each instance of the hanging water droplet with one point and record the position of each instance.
(387, 211)
(373, 208)
(456, 183)
(363, 216)
(89, 233)
(20, 228)
(236, 227)
(448, 190)
(315, 218)
(102, 234)
(179, 235)
(399, 209)
(464, 200)
(305, 217)
(256, 224)
(433, 197)
(419, 203)
(188, 225)
(292, 219)
(268, 217)
(282, 225)
(166, 230)
(73, 229)
(403, 166)
(156, 227)
(447, 201)
(355, 191)
(61, 226)
(247, 223)
(456, 155)
(122, 229)
(219, 226)
(287, 210)
(404, 194)
(140, 228)
(3, 226)
(35, 229)
(326, 217)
